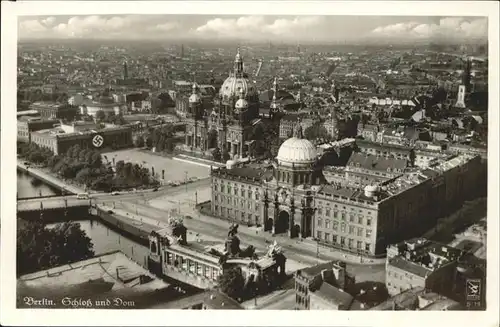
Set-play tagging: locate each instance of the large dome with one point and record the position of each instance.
(233, 85)
(237, 83)
(296, 151)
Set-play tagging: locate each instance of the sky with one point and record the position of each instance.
(254, 28)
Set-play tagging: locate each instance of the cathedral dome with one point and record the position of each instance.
(237, 82)
(296, 151)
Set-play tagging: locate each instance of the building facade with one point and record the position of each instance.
(377, 200)
(59, 142)
(27, 125)
(52, 110)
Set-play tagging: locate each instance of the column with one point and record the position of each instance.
(291, 223)
(241, 148)
(275, 219)
(303, 227)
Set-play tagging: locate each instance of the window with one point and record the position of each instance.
(191, 266)
(256, 195)
(327, 223)
(235, 191)
(351, 230)
(242, 203)
(184, 264)
(343, 216)
(335, 214)
(207, 272)
(327, 237)
(368, 221)
(342, 227)
(367, 246)
(216, 198)
(351, 218)
(250, 193)
(199, 270)
(360, 231)
(359, 245)
(335, 225)
(360, 219)
(242, 192)
(328, 212)
(228, 200)
(368, 233)
(350, 242)
(320, 211)
(214, 274)
(169, 258)
(342, 240)
(249, 205)
(215, 187)
(257, 207)
(334, 238)
(320, 223)
(318, 234)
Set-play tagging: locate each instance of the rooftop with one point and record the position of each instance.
(105, 276)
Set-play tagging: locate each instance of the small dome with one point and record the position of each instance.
(296, 151)
(371, 190)
(194, 98)
(241, 104)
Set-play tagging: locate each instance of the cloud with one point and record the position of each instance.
(95, 26)
(257, 27)
(447, 28)
(31, 27)
(49, 21)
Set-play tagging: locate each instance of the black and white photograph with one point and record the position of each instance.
(251, 161)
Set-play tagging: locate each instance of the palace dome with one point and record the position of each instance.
(296, 151)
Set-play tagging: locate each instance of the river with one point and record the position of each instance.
(104, 239)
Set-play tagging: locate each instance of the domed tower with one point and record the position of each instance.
(240, 108)
(296, 163)
(195, 103)
(274, 107)
(237, 83)
(195, 134)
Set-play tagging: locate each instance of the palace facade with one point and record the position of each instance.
(374, 201)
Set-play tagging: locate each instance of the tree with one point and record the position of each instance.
(100, 115)
(41, 248)
(231, 282)
(139, 141)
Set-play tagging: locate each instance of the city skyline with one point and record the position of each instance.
(305, 29)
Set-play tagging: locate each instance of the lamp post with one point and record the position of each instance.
(186, 179)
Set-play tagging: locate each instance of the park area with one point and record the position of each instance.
(174, 170)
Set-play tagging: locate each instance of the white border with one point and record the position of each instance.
(11, 316)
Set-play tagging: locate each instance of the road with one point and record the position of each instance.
(217, 229)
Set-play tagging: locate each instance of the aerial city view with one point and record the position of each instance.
(252, 163)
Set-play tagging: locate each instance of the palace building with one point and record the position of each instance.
(374, 201)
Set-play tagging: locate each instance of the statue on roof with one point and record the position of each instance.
(233, 230)
(274, 249)
(297, 131)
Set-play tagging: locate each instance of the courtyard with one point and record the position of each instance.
(174, 170)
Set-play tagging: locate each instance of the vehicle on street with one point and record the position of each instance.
(83, 196)
(115, 193)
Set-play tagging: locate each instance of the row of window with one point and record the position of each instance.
(191, 266)
(234, 190)
(360, 219)
(335, 239)
(301, 288)
(235, 203)
(302, 301)
(236, 214)
(353, 230)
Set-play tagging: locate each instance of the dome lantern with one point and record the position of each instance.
(195, 97)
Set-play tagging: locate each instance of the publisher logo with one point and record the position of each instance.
(473, 289)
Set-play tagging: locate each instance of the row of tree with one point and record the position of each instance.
(39, 247)
(87, 167)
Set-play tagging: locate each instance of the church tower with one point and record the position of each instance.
(274, 107)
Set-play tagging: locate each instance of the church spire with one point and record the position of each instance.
(238, 63)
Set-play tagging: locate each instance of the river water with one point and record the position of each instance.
(104, 239)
